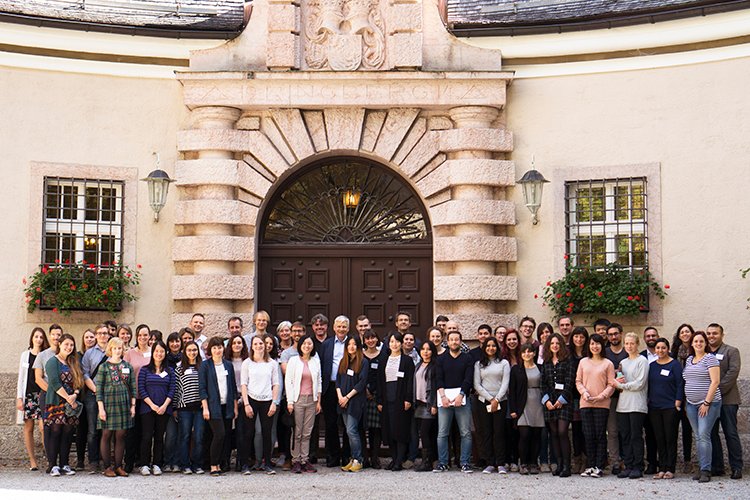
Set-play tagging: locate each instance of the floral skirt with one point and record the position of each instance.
(31, 408)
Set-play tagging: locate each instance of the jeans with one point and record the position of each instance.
(171, 450)
(352, 431)
(93, 437)
(462, 415)
(728, 421)
(702, 427)
(191, 423)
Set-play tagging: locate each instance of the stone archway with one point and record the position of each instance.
(345, 236)
(260, 108)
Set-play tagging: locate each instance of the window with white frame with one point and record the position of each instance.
(606, 222)
(82, 221)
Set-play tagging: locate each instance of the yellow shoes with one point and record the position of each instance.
(347, 467)
(355, 466)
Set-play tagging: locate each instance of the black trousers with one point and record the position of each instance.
(335, 451)
(664, 423)
(260, 411)
(651, 447)
(491, 434)
(687, 435)
(428, 429)
(595, 433)
(58, 443)
(220, 430)
(153, 427)
(630, 428)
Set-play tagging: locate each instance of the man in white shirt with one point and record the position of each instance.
(197, 322)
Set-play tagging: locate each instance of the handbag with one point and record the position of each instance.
(73, 412)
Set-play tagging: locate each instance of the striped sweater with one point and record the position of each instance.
(187, 395)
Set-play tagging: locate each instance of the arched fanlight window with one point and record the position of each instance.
(346, 202)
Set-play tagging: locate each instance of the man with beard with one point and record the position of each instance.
(729, 364)
(615, 353)
(527, 327)
(650, 335)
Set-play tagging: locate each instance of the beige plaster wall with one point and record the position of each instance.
(694, 122)
(82, 120)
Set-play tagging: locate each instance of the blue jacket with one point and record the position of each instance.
(326, 360)
(209, 389)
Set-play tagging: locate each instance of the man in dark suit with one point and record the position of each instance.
(729, 364)
(331, 352)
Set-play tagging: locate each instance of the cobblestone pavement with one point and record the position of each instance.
(17, 483)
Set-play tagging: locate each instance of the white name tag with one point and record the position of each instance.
(350, 373)
(374, 366)
(147, 354)
(489, 408)
(189, 371)
(163, 374)
(665, 373)
(226, 372)
(719, 357)
(125, 371)
(559, 387)
(399, 374)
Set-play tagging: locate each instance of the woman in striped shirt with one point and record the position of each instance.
(703, 398)
(189, 410)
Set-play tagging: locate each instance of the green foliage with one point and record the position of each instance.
(611, 290)
(81, 286)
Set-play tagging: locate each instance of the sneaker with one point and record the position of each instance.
(199, 471)
(596, 472)
(466, 469)
(54, 471)
(156, 470)
(502, 470)
(269, 471)
(544, 467)
(440, 468)
(187, 471)
(297, 468)
(308, 467)
(356, 466)
(145, 471)
(280, 461)
(68, 471)
(523, 470)
(534, 469)
(408, 464)
(514, 467)
(488, 470)
(346, 467)
(587, 472)
(245, 470)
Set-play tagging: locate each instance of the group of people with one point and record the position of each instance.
(528, 400)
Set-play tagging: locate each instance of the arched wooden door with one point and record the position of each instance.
(346, 236)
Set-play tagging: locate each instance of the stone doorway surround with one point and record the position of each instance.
(377, 79)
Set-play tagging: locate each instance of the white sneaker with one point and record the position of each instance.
(145, 471)
(156, 470)
(55, 471)
(597, 472)
(587, 472)
(68, 471)
(488, 470)
(502, 470)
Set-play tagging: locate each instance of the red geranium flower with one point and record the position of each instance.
(599, 294)
(138, 266)
(570, 304)
(630, 297)
(104, 292)
(566, 257)
(38, 289)
(37, 301)
(569, 309)
(637, 297)
(666, 286)
(54, 309)
(582, 286)
(549, 283)
(85, 286)
(535, 295)
(557, 296)
(72, 287)
(567, 294)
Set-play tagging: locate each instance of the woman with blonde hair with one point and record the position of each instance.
(28, 392)
(63, 407)
(632, 406)
(115, 397)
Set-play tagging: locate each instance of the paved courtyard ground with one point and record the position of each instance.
(18, 484)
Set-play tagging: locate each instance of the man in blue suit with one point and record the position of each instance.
(331, 352)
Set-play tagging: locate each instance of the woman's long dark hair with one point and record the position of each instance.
(562, 354)
(484, 359)
(353, 364)
(151, 363)
(579, 330)
(45, 343)
(229, 353)
(185, 362)
(676, 342)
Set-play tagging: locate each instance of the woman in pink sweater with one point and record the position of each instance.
(592, 380)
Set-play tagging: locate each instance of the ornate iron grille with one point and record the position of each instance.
(313, 209)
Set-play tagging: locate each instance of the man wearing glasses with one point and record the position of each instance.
(92, 359)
